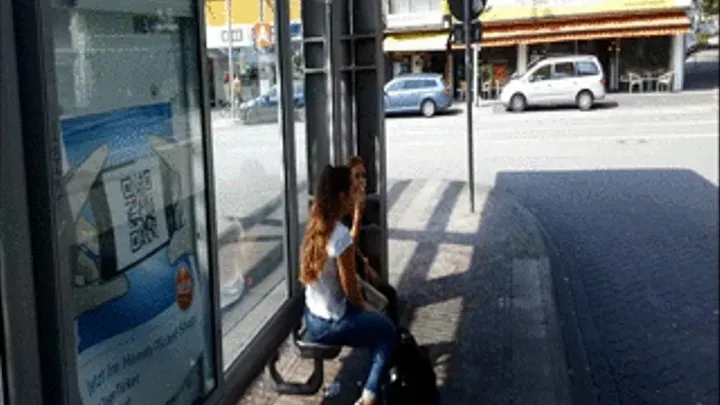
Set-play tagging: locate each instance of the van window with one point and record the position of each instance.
(563, 70)
(542, 73)
(586, 68)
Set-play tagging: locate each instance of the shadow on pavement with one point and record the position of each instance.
(599, 105)
(638, 250)
(454, 110)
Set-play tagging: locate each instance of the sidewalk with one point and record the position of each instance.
(477, 291)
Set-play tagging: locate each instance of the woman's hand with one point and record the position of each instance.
(372, 275)
(359, 199)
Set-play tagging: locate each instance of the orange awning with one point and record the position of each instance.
(584, 29)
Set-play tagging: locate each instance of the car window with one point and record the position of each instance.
(415, 84)
(399, 85)
(586, 68)
(563, 70)
(542, 73)
(430, 83)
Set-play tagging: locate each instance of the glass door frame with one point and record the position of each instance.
(45, 251)
(19, 356)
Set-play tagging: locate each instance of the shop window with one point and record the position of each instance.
(424, 6)
(399, 6)
(645, 55)
(131, 140)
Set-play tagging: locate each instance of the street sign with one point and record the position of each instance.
(262, 33)
(457, 8)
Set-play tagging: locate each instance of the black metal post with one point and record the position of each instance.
(469, 69)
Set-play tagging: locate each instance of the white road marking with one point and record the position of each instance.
(655, 137)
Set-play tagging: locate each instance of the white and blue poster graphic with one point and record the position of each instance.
(141, 303)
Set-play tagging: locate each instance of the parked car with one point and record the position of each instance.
(426, 93)
(264, 109)
(573, 80)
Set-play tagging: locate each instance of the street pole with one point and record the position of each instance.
(231, 68)
(476, 62)
(469, 100)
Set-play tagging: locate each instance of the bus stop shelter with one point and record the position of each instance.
(109, 233)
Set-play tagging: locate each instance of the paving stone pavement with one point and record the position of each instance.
(638, 250)
(476, 289)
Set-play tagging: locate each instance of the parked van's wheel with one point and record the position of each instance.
(427, 108)
(584, 100)
(518, 103)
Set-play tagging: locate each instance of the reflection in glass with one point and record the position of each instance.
(128, 93)
(249, 187)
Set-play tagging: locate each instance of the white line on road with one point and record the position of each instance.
(655, 137)
(572, 127)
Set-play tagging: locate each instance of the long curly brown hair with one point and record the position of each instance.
(329, 205)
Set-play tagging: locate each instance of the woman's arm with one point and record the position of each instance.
(348, 277)
(357, 223)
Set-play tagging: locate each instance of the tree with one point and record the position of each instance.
(710, 7)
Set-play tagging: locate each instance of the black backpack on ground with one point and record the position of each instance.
(411, 376)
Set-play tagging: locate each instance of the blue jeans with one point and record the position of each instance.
(358, 329)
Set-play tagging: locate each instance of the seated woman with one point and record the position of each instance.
(354, 221)
(335, 311)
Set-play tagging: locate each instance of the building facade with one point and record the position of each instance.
(644, 38)
(253, 61)
(416, 37)
(631, 38)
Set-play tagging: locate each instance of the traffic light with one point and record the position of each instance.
(457, 8)
(458, 32)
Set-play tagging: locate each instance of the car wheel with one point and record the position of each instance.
(427, 108)
(249, 117)
(518, 103)
(584, 100)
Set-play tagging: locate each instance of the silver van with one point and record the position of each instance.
(567, 80)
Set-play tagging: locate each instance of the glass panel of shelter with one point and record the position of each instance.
(131, 109)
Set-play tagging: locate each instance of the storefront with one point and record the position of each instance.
(420, 62)
(644, 38)
(417, 52)
(116, 279)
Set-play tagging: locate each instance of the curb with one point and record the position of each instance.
(582, 387)
(558, 353)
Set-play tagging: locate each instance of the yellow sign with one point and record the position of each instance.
(504, 10)
(246, 11)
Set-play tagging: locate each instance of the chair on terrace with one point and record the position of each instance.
(635, 79)
(664, 81)
(486, 89)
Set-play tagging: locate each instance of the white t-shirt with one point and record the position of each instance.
(325, 297)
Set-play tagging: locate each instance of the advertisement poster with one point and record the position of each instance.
(142, 306)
